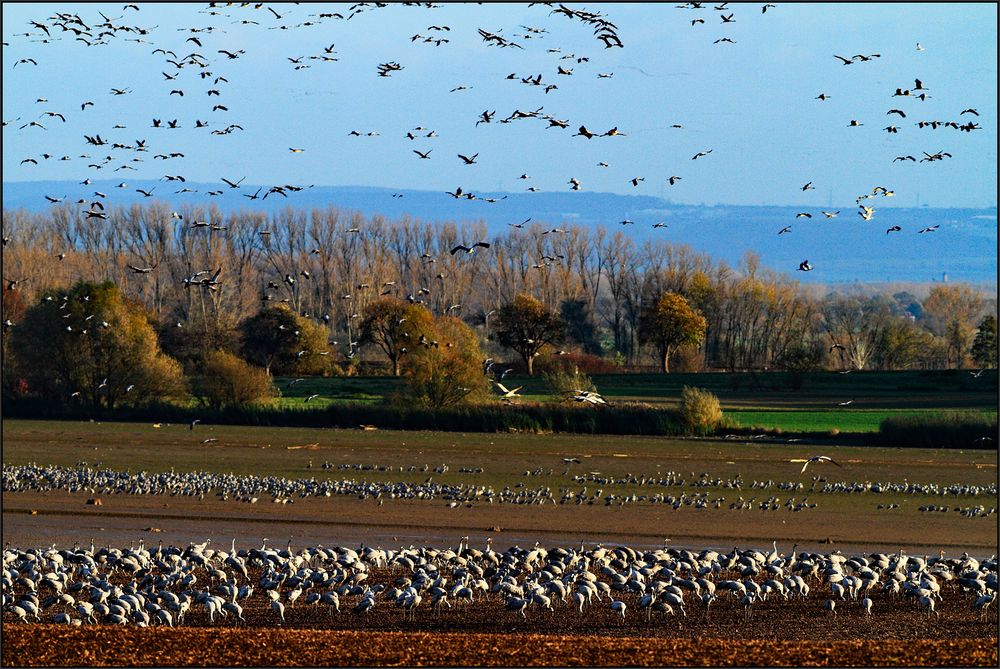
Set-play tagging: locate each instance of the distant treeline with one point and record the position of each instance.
(329, 266)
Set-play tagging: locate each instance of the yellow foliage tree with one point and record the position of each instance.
(448, 368)
(91, 345)
(671, 322)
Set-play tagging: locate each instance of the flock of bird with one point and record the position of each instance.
(201, 585)
(208, 68)
(670, 489)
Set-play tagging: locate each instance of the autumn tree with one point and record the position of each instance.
(92, 344)
(856, 325)
(446, 369)
(14, 308)
(281, 341)
(670, 322)
(526, 326)
(395, 327)
(228, 381)
(984, 347)
(951, 312)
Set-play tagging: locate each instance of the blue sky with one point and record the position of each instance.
(752, 103)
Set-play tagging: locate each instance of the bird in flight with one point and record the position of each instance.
(818, 459)
(469, 160)
(232, 184)
(672, 180)
(808, 186)
(141, 270)
(424, 156)
(700, 154)
(469, 249)
(830, 214)
(508, 393)
(929, 229)
(804, 266)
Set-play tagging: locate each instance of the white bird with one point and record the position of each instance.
(818, 458)
(278, 608)
(506, 392)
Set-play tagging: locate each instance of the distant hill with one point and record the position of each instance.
(842, 249)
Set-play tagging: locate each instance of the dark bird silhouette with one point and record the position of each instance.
(469, 249)
(141, 270)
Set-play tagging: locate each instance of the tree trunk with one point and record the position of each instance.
(666, 360)
(529, 363)
(395, 366)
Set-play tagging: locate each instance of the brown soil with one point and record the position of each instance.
(59, 646)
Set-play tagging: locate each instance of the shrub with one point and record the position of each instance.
(447, 369)
(562, 381)
(700, 410)
(229, 381)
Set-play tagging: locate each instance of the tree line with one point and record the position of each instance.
(594, 295)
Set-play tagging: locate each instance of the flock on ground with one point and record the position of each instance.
(198, 584)
(669, 489)
(198, 65)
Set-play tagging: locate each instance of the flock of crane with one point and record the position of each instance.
(670, 489)
(213, 64)
(202, 585)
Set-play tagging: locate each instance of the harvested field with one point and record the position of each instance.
(58, 646)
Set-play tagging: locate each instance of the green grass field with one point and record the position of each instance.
(769, 401)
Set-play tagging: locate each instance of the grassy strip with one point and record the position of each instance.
(826, 420)
(959, 429)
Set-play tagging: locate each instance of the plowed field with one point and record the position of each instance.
(59, 646)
